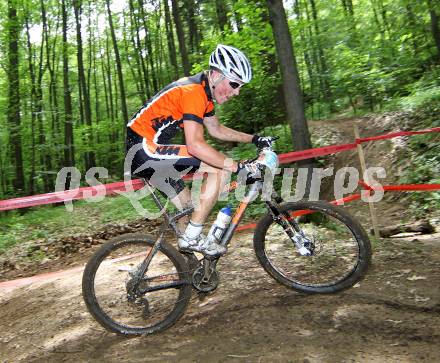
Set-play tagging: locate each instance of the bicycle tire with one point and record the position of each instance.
(286, 271)
(100, 307)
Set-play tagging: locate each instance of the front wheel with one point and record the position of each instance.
(341, 249)
(127, 302)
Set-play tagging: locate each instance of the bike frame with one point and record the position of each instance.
(209, 264)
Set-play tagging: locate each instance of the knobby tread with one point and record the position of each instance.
(359, 233)
(89, 290)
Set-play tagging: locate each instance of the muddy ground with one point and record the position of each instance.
(393, 315)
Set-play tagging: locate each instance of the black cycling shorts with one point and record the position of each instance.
(165, 170)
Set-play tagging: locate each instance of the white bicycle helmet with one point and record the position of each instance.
(232, 63)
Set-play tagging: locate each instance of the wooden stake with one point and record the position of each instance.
(363, 168)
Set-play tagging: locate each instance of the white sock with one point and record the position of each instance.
(193, 230)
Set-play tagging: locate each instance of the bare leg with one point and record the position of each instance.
(192, 238)
(182, 201)
(210, 191)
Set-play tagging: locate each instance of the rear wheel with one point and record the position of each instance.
(341, 248)
(125, 304)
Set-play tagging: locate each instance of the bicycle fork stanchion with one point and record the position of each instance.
(303, 244)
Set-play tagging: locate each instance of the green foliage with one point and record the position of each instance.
(50, 222)
(424, 151)
(259, 102)
(382, 56)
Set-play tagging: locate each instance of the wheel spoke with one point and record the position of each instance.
(118, 303)
(340, 248)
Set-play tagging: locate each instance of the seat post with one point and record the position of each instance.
(151, 190)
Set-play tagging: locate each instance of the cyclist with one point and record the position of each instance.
(188, 104)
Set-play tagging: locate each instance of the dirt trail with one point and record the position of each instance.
(393, 315)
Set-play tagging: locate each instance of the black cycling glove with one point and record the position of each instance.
(263, 141)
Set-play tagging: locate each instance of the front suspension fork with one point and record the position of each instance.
(289, 225)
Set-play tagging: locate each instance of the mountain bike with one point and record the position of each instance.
(137, 284)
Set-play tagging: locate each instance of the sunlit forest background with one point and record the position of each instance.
(73, 71)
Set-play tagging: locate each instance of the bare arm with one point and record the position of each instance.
(199, 148)
(218, 131)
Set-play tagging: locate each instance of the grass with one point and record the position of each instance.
(55, 222)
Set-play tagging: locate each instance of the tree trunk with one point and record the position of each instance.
(291, 85)
(308, 62)
(134, 70)
(141, 79)
(13, 108)
(31, 187)
(109, 82)
(434, 27)
(118, 66)
(181, 37)
(222, 18)
(69, 151)
(326, 90)
(421, 227)
(159, 48)
(53, 87)
(289, 73)
(89, 156)
(170, 40)
(3, 178)
(194, 33)
(45, 149)
(148, 45)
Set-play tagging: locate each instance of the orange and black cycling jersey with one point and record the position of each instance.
(162, 116)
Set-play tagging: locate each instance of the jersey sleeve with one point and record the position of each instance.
(194, 103)
(210, 110)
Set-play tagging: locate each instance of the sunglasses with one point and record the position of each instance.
(235, 85)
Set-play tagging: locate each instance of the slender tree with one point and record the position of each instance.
(31, 184)
(141, 78)
(289, 73)
(170, 40)
(109, 77)
(412, 25)
(89, 156)
(181, 37)
(324, 80)
(51, 65)
(221, 11)
(69, 149)
(118, 65)
(195, 36)
(13, 111)
(307, 58)
(148, 45)
(434, 26)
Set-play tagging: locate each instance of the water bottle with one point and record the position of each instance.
(221, 223)
(269, 159)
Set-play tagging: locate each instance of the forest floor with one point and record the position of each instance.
(392, 315)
